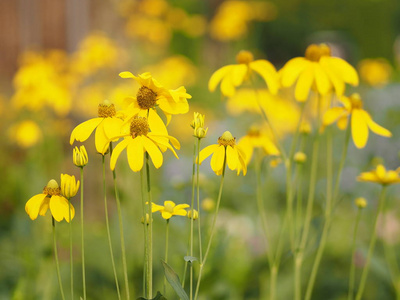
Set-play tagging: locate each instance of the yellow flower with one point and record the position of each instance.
(69, 186)
(380, 175)
(361, 121)
(198, 125)
(170, 209)
(226, 151)
(79, 156)
(256, 138)
(26, 133)
(375, 72)
(140, 140)
(232, 76)
(360, 202)
(318, 70)
(50, 198)
(195, 214)
(106, 124)
(300, 157)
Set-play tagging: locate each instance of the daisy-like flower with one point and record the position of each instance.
(225, 151)
(138, 140)
(381, 175)
(257, 138)
(361, 121)
(107, 124)
(50, 198)
(170, 209)
(232, 76)
(318, 70)
(152, 94)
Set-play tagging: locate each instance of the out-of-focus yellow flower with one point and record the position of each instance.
(80, 156)
(225, 152)
(360, 202)
(318, 70)
(107, 124)
(139, 140)
(273, 163)
(26, 133)
(380, 175)
(194, 26)
(50, 198)
(170, 209)
(69, 186)
(375, 72)
(195, 214)
(208, 204)
(300, 157)
(305, 127)
(361, 121)
(153, 8)
(149, 29)
(232, 76)
(257, 138)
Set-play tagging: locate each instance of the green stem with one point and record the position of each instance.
(121, 231)
(83, 241)
(71, 260)
(108, 228)
(353, 255)
(364, 274)
(198, 204)
(145, 229)
(166, 254)
(56, 258)
(150, 233)
(212, 228)
(191, 225)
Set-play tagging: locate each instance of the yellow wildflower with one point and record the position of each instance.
(318, 70)
(380, 175)
(50, 198)
(26, 133)
(225, 152)
(361, 121)
(232, 76)
(79, 156)
(360, 202)
(170, 209)
(69, 186)
(106, 124)
(376, 72)
(140, 140)
(300, 157)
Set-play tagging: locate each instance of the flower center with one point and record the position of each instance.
(106, 110)
(244, 57)
(253, 132)
(52, 188)
(169, 208)
(139, 126)
(146, 98)
(315, 52)
(227, 139)
(356, 102)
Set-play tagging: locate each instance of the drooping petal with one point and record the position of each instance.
(134, 151)
(231, 157)
(217, 76)
(378, 129)
(126, 74)
(268, 72)
(59, 207)
(238, 74)
(359, 128)
(206, 152)
(45, 206)
(343, 70)
(112, 128)
(156, 124)
(321, 80)
(166, 215)
(342, 122)
(179, 212)
(181, 206)
(117, 151)
(304, 83)
(242, 161)
(100, 139)
(380, 172)
(156, 207)
(335, 80)
(333, 114)
(32, 207)
(82, 132)
(154, 152)
(217, 160)
(292, 70)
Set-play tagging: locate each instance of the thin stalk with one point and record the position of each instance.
(212, 228)
(191, 225)
(166, 253)
(145, 229)
(365, 271)
(71, 260)
(150, 232)
(121, 231)
(353, 254)
(56, 259)
(198, 204)
(83, 241)
(108, 228)
(186, 263)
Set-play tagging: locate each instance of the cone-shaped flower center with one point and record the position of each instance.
(52, 188)
(146, 98)
(227, 139)
(315, 52)
(356, 102)
(168, 208)
(244, 57)
(106, 110)
(139, 126)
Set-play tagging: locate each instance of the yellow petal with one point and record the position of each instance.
(375, 127)
(156, 207)
(333, 114)
(45, 206)
(101, 139)
(242, 161)
(368, 176)
(238, 74)
(59, 207)
(304, 83)
(337, 82)
(247, 147)
(380, 171)
(292, 69)
(82, 132)
(135, 150)
(206, 152)
(117, 151)
(166, 215)
(32, 207)
(126, 75)
(359, 128)
(156, 124)
(342, 123)
(179, 212)
(169, 203)
(344, 70)
(217, 76)
(322, 80)
(231, 157)
(217, 160)
(154, 152)
(181, 206)
(268, 72)
(112, 127)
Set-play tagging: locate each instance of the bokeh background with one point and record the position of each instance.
(60, 59)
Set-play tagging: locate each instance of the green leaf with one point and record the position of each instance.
(157, 297)
(190, 258)
(174, 281)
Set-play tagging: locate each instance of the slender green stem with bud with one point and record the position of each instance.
(56, 258)
(83, 240)
(71, 260)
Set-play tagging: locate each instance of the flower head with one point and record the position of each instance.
(381, 175)
(50, 198)
(360, 120)
(198, 126)
(232, 76)
(195, 214)
(318, 70)
(360, 202)
(375, 72)
(170, 209)
(106, 124)
(69, 186)
(79, 156)
(225, 152)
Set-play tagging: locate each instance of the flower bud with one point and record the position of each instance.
(80, 156)
(147, 220)
(198, 125)
(361, 202)
(195, 214)
(69, 186)
(300, 157)
(200, 132)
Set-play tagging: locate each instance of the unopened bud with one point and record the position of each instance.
(300, 157)
(195, 214)
(361, 202)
